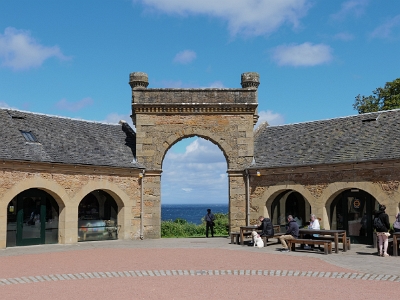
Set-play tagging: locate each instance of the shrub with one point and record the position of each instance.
(182, 228)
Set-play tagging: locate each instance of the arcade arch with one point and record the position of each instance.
(32, 219)
(289, 202)
(97, 217)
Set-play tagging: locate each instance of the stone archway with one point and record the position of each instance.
(164, 116)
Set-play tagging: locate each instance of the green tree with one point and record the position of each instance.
(384, 98)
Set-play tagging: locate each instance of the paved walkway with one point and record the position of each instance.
(183, 268)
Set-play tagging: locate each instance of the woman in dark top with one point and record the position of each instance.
(383, 232)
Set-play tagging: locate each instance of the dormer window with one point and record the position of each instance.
(29, 137)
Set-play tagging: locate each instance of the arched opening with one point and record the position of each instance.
(293, 203)
(97, 217)
(194, 179)
(353, 210)
(32, 219)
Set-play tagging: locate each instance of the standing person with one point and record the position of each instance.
(382, 226)
(396, 224)
(292, 232)
(266, 227)
(209, 218)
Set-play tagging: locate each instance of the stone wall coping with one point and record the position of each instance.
(377, 164)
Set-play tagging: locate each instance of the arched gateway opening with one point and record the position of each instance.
(164, 116)
(194, 179)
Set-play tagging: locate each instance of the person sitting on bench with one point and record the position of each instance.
(266, 227)
(314, 224)
(292, 232)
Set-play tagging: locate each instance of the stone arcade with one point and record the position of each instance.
(65, 180)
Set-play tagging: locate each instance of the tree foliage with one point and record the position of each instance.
(384, 98)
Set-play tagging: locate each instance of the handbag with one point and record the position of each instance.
(212, 223)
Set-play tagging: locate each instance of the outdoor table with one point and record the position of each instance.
(334, 233)
(244, 229)
(396, 236)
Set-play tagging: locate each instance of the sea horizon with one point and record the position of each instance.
(193, 213)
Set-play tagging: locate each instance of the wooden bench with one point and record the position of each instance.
(327, 244)
(276, 235)
(235, 236)
(331, 238)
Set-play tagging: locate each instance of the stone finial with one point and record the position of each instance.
(138, 80)
(250, 80)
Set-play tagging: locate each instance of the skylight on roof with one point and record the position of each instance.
(29, 137)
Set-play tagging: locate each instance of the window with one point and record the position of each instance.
(29, 137)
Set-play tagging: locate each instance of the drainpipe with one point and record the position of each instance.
(247, 197)
(141, 175)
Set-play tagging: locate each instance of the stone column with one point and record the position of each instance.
(152, 204)
(68, 224)
(237, 199)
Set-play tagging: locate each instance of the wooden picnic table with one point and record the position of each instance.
(244, 229)
(396, 237)
(334, 233)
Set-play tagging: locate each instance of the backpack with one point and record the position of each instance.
(378, 225)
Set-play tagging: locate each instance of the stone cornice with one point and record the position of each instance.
(194, 108)
(30, 166)
(371, 165)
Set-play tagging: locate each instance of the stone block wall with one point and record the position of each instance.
(68, 185)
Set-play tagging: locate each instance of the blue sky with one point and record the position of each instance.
(73, 59)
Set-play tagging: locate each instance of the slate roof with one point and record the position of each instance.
(365, 137)
(67, 141)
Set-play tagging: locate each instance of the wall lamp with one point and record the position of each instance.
(258, 173)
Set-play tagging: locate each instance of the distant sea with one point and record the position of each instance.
(190, 212)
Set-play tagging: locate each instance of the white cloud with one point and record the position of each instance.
(343, 36)
(350, 8)
(387, 29)
(64, 104)
(20, 51)
(185, 57)
(199, 172)
(248, 17)
(270, 117)
(217, 85)
(305, 54)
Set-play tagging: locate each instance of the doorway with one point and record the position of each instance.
(353, 210)
(32, 219)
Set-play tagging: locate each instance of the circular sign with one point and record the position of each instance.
(356, 203)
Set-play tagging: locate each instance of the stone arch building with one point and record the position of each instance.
(62, 179)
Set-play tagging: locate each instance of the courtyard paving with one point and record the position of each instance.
(192, 268)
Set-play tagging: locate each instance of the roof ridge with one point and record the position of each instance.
(59, 117)
(337, 118)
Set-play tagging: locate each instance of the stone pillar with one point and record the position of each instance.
(68, 224)
(152, 204)
(237, 199)
(3, 225)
